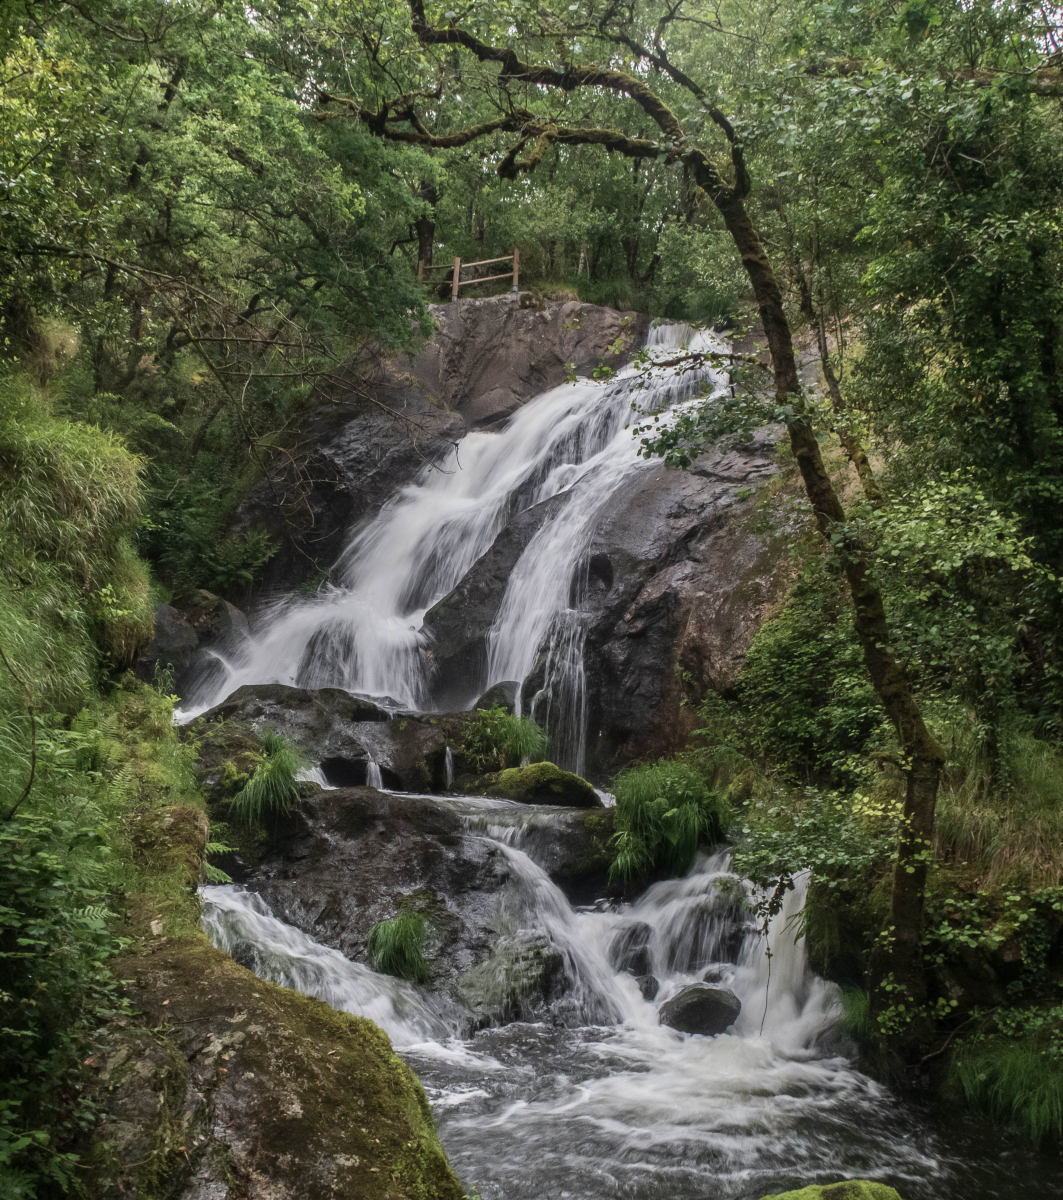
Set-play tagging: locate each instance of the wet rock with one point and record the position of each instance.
(699, 1008)
(522, 973)
(502, 695)
(849, 1189)
(544, 783)
(648, 986)
(171, 648)
(344, 733)
(630, 949)
(459, 623)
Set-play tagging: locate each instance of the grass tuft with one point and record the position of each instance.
(1020, 1082)
(272, 790)
(664, 812)
(397, 947)
(497, 740)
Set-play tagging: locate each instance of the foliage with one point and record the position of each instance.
(1016, 1075)
(496, 739)
(396, 947)
(664, 812)
(271, 791)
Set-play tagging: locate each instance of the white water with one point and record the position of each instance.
(363, 632)
(603, 1101)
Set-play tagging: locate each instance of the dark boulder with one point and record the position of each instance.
(648, 986)
(502, 695)
(630, 949)
(171, 648)
(544, 783)
(699, 1008)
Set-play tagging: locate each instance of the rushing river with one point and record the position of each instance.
(599, 1100)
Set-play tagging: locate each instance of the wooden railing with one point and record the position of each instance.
(456, 280)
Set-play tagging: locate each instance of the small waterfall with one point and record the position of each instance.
(373, 777)
(448, 768)
(240, 923)
(363, 633)
(315, 775)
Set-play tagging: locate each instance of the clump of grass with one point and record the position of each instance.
(496, 740)
(856, 1010)
(664, 812)
(1016, 1081)
(1003, 816)
(396, 947)
(272, 790)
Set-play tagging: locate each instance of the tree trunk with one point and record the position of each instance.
(425, 225)
(898, 985)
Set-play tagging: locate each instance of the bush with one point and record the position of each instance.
(397, 947)
(272, 790)
(496, 740)
(664, 812)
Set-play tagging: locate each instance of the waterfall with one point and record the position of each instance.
(448, 768)
(315, 775)
(362, 632)
(373, 777)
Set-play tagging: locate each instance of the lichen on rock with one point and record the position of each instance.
(849, 1189)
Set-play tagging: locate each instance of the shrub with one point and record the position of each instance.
(272, 790)
(397, 947)
(664, 812)
(496, 740)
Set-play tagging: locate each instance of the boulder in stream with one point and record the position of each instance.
(630, 949)
(848, 1189)
(544, 783)
(648, 986)
(700, 1008)
(523, 972)
(501, 695)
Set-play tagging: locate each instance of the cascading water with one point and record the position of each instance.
(363, 632)
(601, 1101)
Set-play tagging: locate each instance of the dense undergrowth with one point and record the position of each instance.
(87, 755)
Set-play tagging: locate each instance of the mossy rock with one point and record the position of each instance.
(521, 971)
(255, 1090)
(544, 783)
(849, 1189)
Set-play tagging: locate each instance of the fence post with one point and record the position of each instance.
(457, 277)
(516, 267)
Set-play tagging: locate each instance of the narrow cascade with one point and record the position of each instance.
(373, 776)
(601, 1100)
(362, 632)
(239, 923)
(448, 768)
(315, 775)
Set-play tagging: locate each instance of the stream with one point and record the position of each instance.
(601, 1101)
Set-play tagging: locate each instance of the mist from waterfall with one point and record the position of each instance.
(362, 632)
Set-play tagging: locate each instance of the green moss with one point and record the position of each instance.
(851, 1189)
(544, 783)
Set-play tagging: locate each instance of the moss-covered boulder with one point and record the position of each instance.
(544, 783)
(226, 1086)
(849, 1189)
(522, 972)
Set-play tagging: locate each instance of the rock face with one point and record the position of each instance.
(673, 582)
(172, 646)
(700, 1008)
(207, 620)
(486, 358)
(489, 356)
(544, 783)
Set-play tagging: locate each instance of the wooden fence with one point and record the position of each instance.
(456, 280)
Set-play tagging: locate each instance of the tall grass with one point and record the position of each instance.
(272, 790)
(1021, 1082)
(1002, 813)
(496, 740)
(396, 947)
(664, 812)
